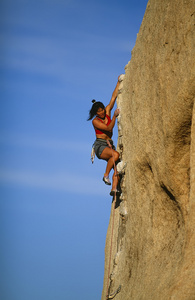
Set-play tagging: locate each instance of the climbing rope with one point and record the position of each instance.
(118, 290)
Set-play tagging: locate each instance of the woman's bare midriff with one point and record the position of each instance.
(104, 136)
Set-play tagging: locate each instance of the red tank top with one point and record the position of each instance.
(97, 131)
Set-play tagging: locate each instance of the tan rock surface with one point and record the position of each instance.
(153, 246)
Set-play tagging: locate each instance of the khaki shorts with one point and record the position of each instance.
(100, 144)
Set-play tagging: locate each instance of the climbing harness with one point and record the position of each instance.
(119, 288)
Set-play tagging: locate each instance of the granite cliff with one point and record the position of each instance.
(153, 233)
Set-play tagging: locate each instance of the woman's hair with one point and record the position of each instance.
(94, 109)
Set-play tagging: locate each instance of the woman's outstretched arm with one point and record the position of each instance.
(110, 106)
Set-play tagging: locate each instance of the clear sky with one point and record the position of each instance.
(55, 57)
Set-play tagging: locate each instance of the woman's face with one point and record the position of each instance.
(101, 113)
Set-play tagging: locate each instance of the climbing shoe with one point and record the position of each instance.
(106, 180)
(113, 192)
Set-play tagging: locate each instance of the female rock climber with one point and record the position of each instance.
(103, 126)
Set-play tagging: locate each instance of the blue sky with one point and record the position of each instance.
(55, 57)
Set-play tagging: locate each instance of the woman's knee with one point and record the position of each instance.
(116, 155)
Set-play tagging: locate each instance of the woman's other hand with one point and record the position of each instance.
(116, 113)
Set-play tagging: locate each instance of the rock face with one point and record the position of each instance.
(150, 245)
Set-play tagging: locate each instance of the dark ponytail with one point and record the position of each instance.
(94, 109)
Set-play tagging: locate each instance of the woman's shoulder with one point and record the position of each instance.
(94, 120)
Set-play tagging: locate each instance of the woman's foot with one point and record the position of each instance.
(106, 180)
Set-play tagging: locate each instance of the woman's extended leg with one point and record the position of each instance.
(115, 179)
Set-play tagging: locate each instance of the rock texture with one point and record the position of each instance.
(151, 243)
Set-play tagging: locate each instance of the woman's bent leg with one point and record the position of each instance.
(111, 156)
